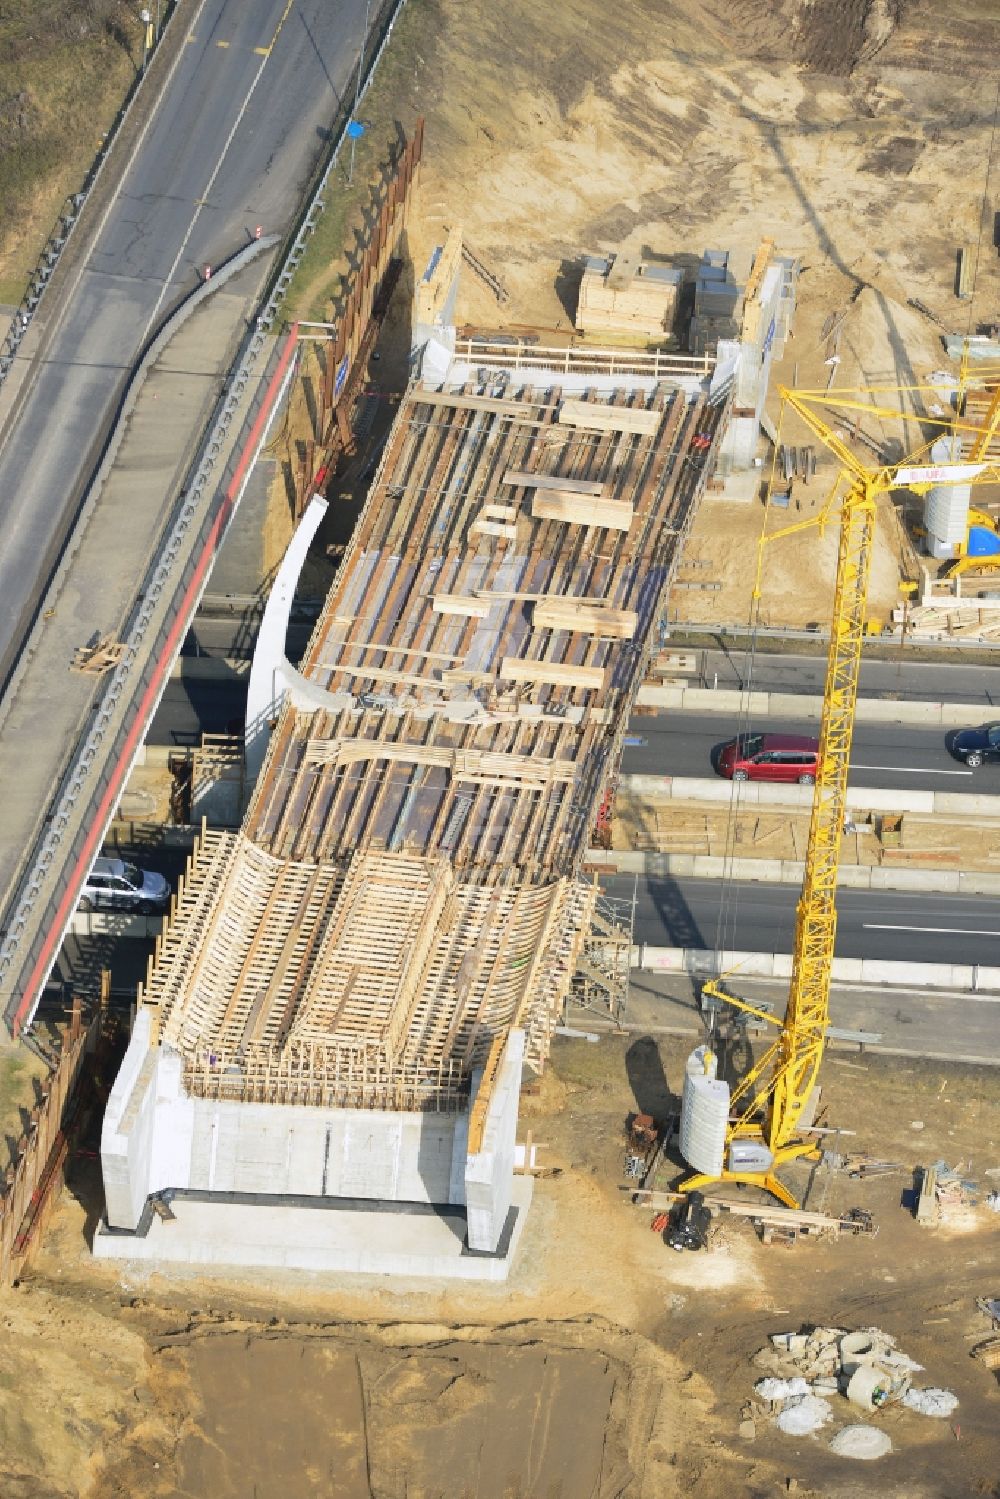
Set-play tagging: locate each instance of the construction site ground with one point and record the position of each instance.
(858, 137)
(901, 841)
(609, 1365)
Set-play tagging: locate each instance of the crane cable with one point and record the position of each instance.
(729, 895)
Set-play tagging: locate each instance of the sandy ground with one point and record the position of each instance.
(608, 1365)
(665, 825)
(857, 135)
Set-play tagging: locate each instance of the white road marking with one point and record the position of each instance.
(956, 931)
(200, 202)
(911, 770)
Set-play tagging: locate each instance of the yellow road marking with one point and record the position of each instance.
(222, 44)
(284, 18)
(263, 51)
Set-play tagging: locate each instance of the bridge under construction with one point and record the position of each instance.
(396, 927)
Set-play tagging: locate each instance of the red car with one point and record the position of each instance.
(770, 757)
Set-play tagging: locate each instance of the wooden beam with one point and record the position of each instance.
(568, 614)
(582, 510)
(458, 603)
(556, 673)
(494, 528)
(464, 764)
(458, 402)
(600, 417)
(553, 481)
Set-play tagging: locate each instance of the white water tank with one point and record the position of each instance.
(946, 507)
(704, 1113)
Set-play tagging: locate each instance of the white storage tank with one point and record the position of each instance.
(946, 506)
(704, 1113)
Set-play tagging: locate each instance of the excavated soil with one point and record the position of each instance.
(607, 1366)
(856, 133)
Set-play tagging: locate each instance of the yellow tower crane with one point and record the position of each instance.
(766, 1107)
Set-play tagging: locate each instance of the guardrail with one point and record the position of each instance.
(24, 972)
(69, 217)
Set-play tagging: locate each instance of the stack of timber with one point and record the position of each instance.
(628, 296)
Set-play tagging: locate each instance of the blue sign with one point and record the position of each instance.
(355, 129)
(769, 340)
(341, 375)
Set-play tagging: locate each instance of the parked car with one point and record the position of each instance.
(770, 757)
(976, 745)
(118, 885)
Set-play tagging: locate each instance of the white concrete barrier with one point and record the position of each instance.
(704, 963)
(764, 794)
(654, 866)
(798, 705)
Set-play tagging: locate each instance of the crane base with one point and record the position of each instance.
(766, 1180)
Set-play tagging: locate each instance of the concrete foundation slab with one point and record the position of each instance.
(324, 1239)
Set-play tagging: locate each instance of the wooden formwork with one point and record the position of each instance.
(406, 886)
(31, 1183)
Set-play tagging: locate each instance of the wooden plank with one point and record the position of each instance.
(527, 480)
(556, 673)
(458, 603)
(458, 402)
(494, 528)
(462, 763)
(383, 674)
(568, 614)
(582, 510)
(499, 512)
(603, 418)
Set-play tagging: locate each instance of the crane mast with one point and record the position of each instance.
(768, 1103)
(766, 1106)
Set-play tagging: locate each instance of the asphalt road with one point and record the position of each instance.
(883, 755)
(229, 146)
(911, 1022)
(890, 924)
(906, 677)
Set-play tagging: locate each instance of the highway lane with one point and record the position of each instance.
(894, 925)
(896, 755)
(189, 709)
(230, 145)
(908, 677)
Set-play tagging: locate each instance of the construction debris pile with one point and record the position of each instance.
(945, 1195)
(805, 1372)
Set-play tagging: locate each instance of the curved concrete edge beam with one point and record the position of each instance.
(271, 675)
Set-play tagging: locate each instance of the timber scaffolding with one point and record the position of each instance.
(407, 884)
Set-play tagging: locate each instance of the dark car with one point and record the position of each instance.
(976, 745)
(770, 757)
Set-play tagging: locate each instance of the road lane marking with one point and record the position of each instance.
(112, 204)
(911, 770)
(200, 202)
(263, 51)
(952, 931)
(222, 44)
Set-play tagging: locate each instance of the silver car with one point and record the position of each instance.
(118, 885)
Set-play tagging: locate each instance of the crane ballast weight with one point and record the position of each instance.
(747, 1133)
